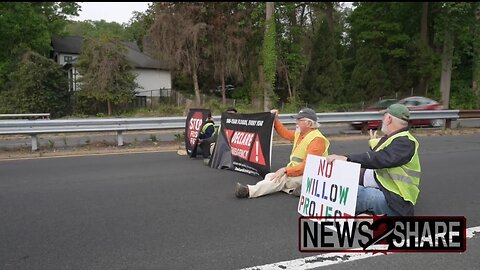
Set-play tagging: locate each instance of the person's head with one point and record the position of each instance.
(231, 110)
(395, 117)
(209, 116)
(306, 119)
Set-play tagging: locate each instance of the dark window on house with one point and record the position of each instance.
(67, 59)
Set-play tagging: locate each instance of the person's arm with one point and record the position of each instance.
(398, 153)
(283, 131)
(316, 147)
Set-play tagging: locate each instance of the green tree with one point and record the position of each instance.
(323, 79)
(269, 56)
(226, 40)
(139, 24)
(106, 74)
(97, 29)
(369, 78)
(38, 85)
(29, 25)
(451, 21)
(290, 25)
(476, 53)
(254, 30)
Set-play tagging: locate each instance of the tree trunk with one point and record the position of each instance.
(196, 88)
(270, 9)
(267, 88)
(424, 80)
(329, 15)
(288, 82)
(424, 24)
(476, 53)
(447, 56)
(222, 79)
(302, 15)
(258, 90)
(109, 107)
(426, 84)
(266, 97)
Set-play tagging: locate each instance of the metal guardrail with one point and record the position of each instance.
(26, 115)
(120, 125)
(469, 114)
(340, 117)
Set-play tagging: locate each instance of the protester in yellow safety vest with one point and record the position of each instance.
(208, 145)
(307, 139)
(390, 174)
(207, 131)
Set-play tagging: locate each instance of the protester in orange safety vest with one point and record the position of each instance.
(307, 139)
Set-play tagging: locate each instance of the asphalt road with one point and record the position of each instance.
(164, 211)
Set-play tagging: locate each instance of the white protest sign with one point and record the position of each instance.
(329, 189)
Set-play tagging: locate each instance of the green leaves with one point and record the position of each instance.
(106, 74)
(269, 53)
(29, 26)
(323, 79)
(38, 85)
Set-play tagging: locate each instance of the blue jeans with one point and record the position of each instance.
(372, 200)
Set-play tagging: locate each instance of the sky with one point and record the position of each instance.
(119, 12)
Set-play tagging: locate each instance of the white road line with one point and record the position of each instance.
(332, 258)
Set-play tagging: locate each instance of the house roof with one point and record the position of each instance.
(138, 59)
(67, 44)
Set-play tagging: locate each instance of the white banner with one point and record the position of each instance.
(329, 189)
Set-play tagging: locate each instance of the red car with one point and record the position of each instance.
(423, 104)
(415, 103)
(378, 106)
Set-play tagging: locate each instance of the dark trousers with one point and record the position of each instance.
(205, 146)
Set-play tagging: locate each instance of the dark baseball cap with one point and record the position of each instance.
(306, 113)
(399, 111)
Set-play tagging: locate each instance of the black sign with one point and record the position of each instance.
(195, 120)
(244, 143)
(382, 234)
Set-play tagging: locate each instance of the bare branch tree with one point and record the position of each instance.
(227, 40)
(176, 37)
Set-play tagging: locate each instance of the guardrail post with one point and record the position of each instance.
(364, 128)
(448, 124)
(120, 138)
(34, 142)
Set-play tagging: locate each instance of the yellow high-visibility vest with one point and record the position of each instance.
(299, 152)
(403, 180)
(204, 128)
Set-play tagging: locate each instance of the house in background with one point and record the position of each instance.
(154, 78)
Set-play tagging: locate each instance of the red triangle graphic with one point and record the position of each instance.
(256, 155)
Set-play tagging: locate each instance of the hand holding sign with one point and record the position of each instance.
(329, 189)
(331, 158)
